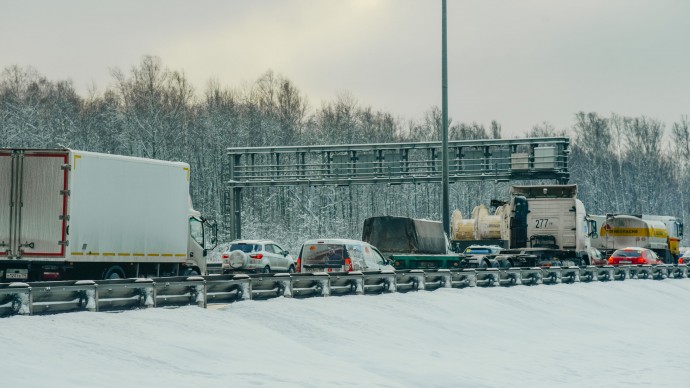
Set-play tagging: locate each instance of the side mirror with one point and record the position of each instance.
(285, 253)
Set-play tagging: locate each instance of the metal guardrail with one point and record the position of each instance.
(41, 298)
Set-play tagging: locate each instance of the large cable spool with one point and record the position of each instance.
(461, 229)
(486, 227)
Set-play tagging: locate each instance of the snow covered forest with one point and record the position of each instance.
(621, 164)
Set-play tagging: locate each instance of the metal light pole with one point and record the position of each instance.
(444, 134)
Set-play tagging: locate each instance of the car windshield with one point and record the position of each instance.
(627, 254)
(324, 254)
(244, 247)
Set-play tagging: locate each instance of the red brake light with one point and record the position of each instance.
(298, 265)
(51, 275)
(257, 256)
(348, 264)
(611, 260)
(225, 256)
(680, 261)
(640, 260)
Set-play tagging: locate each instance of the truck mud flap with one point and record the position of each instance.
(346, 283)
(551, 275)
(679, 271)
(14, 299)
(588, 274)
(124, 294)
(267, 286)
(530, 276)
(463, 278)
(509, 277)
(605, 273)
(412, 280)
(180, 291)
(433, 280)
(62, 297)
(378, 282)
(487, 277)
(227, 288)
(310, 284)
(621, 272)
(570, 274)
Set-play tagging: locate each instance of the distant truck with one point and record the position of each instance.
(410, 243)
(662, 234)
(541, 218)
(67, 214)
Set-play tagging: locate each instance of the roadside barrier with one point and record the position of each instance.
(40, 298)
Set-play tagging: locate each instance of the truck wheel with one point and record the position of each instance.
(113, 273)
(190, 272)
(266, 269)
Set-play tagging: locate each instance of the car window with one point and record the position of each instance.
(244, 247)
(356, 252)
(276, 249)
(378, 257)
(324, 254)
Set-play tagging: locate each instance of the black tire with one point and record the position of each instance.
(266, 269)
(291, 269)
(190, 272)
(114, 272)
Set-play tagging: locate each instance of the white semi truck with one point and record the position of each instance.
(538, 220)
(67, 214)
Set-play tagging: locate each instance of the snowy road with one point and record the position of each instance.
(599, 334)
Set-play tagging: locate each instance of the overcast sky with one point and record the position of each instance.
(518, 62)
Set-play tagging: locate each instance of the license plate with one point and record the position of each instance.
(17, 275)
(625, 262)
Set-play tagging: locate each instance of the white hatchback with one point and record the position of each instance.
(263, 256)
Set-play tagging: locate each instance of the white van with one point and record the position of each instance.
(340, 255)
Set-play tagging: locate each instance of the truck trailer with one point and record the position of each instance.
(70, 215)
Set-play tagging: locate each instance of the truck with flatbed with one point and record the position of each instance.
(540, 225)
(74, 215)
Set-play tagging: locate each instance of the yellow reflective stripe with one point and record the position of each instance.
(180, 254)
(124, 254)
(138, 254)
(167, 254)
(77, 254)
(75, 161)
(153, 254)
(108, 253)
(186, 169)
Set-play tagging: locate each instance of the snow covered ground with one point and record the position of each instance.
(631, 333)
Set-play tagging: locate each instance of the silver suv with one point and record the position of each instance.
(256, 256)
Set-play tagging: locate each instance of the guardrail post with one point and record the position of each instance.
(15, 298)
(88, 297)
(198, 291)
(284, 284)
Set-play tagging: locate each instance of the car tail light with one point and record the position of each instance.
(611, 260)
(681, 261)
(225, 256)
(298, 265)
(640, 260)
(257, 256)
(348, 264)
(51, 275)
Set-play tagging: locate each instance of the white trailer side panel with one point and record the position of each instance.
(128, 209)
(5, 189)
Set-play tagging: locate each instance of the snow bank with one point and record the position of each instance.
(599, 334)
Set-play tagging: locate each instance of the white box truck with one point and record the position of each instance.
(67, 214)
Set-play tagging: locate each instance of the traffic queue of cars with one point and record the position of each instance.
(344, 255)
(318, 255)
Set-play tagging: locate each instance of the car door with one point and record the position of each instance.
(282, 259)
